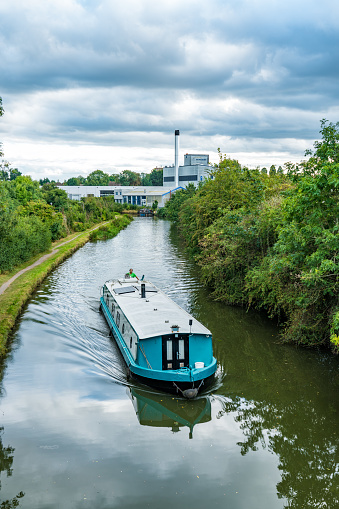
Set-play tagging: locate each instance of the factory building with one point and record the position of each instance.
(196, 168)
(133, 195)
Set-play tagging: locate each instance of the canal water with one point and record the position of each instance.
(76, 434)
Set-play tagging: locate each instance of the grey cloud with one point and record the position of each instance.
(109, 73)
(149, 49)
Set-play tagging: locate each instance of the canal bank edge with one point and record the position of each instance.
(20, 284)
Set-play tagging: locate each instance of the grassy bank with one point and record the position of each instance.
(17, 294)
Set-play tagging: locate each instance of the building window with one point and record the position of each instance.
(183, 178)
(168, 179)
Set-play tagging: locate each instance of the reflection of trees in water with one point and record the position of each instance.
(6, 453)
(6, 462)
(305, 442)
(6, 458)
(11, 504)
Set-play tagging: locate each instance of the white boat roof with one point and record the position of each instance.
(154, 315)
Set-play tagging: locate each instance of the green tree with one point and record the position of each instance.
(298, 278)
(8, 173)
(115, 178)
(97, 178)
(14, 173)
(55, 196)
(174, 204)
(129, 178)
(4, 174)
(44, 181)
(73, 181)
(145, 179)
(54, 220)
(156, 177)
(232, 187)
(24, 189)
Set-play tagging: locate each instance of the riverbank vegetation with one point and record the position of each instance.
(32, 217)
(111, 229)
(17, 294)
(271, 240)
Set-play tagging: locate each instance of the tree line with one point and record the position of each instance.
(31, 217)
(271, 241)
(125, 178)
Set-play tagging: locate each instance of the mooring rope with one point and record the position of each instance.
(143, 353)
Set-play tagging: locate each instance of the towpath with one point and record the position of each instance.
(4, 287)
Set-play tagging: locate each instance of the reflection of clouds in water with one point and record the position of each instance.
(85, 420)
(94, 443)
(67, 414)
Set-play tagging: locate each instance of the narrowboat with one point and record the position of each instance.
(162, 344)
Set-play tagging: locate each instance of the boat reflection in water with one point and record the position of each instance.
(168, 411)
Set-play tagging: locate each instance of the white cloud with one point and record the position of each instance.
(110, 75)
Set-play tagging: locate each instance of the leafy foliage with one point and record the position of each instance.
(299, 278)
(97, 178)
(270, 240)
(32, 217)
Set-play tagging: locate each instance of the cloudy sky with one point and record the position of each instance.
(102, 84)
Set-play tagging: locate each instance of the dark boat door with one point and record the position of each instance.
(174, 351)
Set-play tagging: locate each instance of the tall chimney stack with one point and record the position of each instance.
(176, 157)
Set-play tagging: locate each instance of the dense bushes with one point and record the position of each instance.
(110, 230)
(272, 241)
(21, 239)
(32, 217)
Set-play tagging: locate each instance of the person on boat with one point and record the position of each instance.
(131, 274)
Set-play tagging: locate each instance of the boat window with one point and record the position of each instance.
(169, 350)
(123, 328)
(181, 345)
(130, 342)
(113, 309)
(118, 318)
(124, 289)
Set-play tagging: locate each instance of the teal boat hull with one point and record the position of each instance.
(168, 380)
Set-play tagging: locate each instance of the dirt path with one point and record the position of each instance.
(41, 260)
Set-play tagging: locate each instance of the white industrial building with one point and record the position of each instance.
(133, 195)
(196, 168)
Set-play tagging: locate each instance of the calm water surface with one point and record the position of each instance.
(75, 434)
